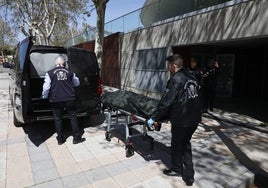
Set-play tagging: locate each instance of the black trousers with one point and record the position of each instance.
(208, 97)
(58, 109)
(181, 150)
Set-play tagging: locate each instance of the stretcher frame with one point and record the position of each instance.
(115, 112)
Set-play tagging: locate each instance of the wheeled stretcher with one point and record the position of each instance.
(125, 108)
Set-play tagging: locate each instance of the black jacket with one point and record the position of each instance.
(180, 102)
(197, 73)
(211, 78)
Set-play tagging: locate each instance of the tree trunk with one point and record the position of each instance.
(100, 9)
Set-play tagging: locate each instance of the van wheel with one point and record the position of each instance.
(16, 122)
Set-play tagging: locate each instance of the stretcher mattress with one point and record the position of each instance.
(131, 102)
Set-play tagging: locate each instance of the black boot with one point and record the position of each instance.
(61, 140)
(188, 181)
(78, 140)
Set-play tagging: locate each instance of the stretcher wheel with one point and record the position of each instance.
(129, 150)
(108, 136)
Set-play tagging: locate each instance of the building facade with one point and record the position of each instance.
(236, 32)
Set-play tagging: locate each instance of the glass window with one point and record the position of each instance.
(83, 62)
(43, 62)
(22, 55)
(150, 72)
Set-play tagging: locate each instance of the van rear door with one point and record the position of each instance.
(20, 89)
(84, 64)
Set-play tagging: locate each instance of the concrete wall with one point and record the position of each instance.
(245, 20)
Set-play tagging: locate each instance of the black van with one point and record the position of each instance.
(31, 64)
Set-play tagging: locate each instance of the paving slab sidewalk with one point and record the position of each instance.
(30, 156)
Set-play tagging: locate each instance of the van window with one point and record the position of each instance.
(22, 55)
(84, 62)
(40, 63)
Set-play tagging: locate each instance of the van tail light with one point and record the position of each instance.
(99, 88)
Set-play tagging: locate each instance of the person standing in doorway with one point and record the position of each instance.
(210, 84)
(180, 103)
(196, 71)
(59, 86)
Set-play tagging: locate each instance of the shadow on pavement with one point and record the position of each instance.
(261, 176)
(253, 107)
(238, 119)
(39, 132)
(161, 151)
(143, 146)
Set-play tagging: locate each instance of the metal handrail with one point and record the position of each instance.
(132, 21)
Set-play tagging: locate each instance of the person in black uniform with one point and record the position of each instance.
(180, 103)
(59, 86)
(196, 71)
(210, 77)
